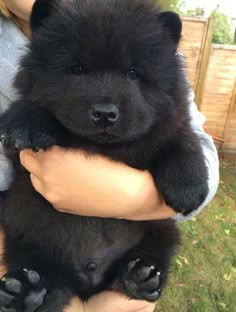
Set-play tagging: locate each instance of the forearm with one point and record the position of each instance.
(94, 186)
(115, 190)
(127, 194)
(145, 202)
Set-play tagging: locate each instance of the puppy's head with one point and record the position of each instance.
(107, 69)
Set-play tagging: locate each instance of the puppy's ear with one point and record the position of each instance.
(172, 22)
(40, 11)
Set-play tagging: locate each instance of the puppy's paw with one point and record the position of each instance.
(186, 199)
(140, 279)
(24, 138)
(21, 291)
(27, 126)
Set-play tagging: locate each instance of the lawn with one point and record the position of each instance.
(203, 275)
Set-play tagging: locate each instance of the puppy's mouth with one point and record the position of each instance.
(104, 137)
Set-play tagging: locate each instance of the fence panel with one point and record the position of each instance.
(192, 46)
(219, 92)
(212, 73)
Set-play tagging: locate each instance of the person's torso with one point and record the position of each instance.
(12, 47)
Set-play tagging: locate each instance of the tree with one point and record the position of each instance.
(222, 29)
(198, 11)
(173, 5)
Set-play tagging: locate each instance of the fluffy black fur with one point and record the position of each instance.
(103, 76)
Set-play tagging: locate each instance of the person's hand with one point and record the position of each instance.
(108, 301)
(2, 268)
(76, 183)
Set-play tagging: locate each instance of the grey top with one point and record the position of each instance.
(12, 43)
(12, 47)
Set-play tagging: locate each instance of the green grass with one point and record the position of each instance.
(203, 275)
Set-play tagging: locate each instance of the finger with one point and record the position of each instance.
(31, 162)
(2, 267)
(37, 184)
(114, 301)
(37, 155)
(76, 305)
(140, 305)
(150, 308)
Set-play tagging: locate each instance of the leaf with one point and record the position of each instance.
(179, 263)
(222, 305)
(219, 217)
(227, 277)
(185, 260)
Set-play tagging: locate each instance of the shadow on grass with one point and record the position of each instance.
(203, 275)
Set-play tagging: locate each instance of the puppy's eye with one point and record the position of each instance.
(133, 74)
(77, 69)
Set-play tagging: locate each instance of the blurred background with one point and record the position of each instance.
(203, 275)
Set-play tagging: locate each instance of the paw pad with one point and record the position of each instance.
(142, 280)
(21, 291)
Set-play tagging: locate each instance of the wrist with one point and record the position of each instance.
(148, 203)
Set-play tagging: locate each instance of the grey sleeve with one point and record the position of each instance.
(6, 170)
(211, 157)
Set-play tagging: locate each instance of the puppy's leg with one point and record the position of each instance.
(181, 173)
(26, 125)
(143, 272)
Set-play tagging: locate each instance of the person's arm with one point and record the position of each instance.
(94, 186)
(20, 8)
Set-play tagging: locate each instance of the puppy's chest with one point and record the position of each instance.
(139, 154)
(97, 239)
(89, 249)
(86, 246)
(99, 252)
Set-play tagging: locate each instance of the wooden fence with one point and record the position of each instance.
(212, 72)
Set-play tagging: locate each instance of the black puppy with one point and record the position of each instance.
(102, 76)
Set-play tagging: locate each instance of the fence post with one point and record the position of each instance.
(232, 108)
(204, 62)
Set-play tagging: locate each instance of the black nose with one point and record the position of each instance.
(104, 115)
